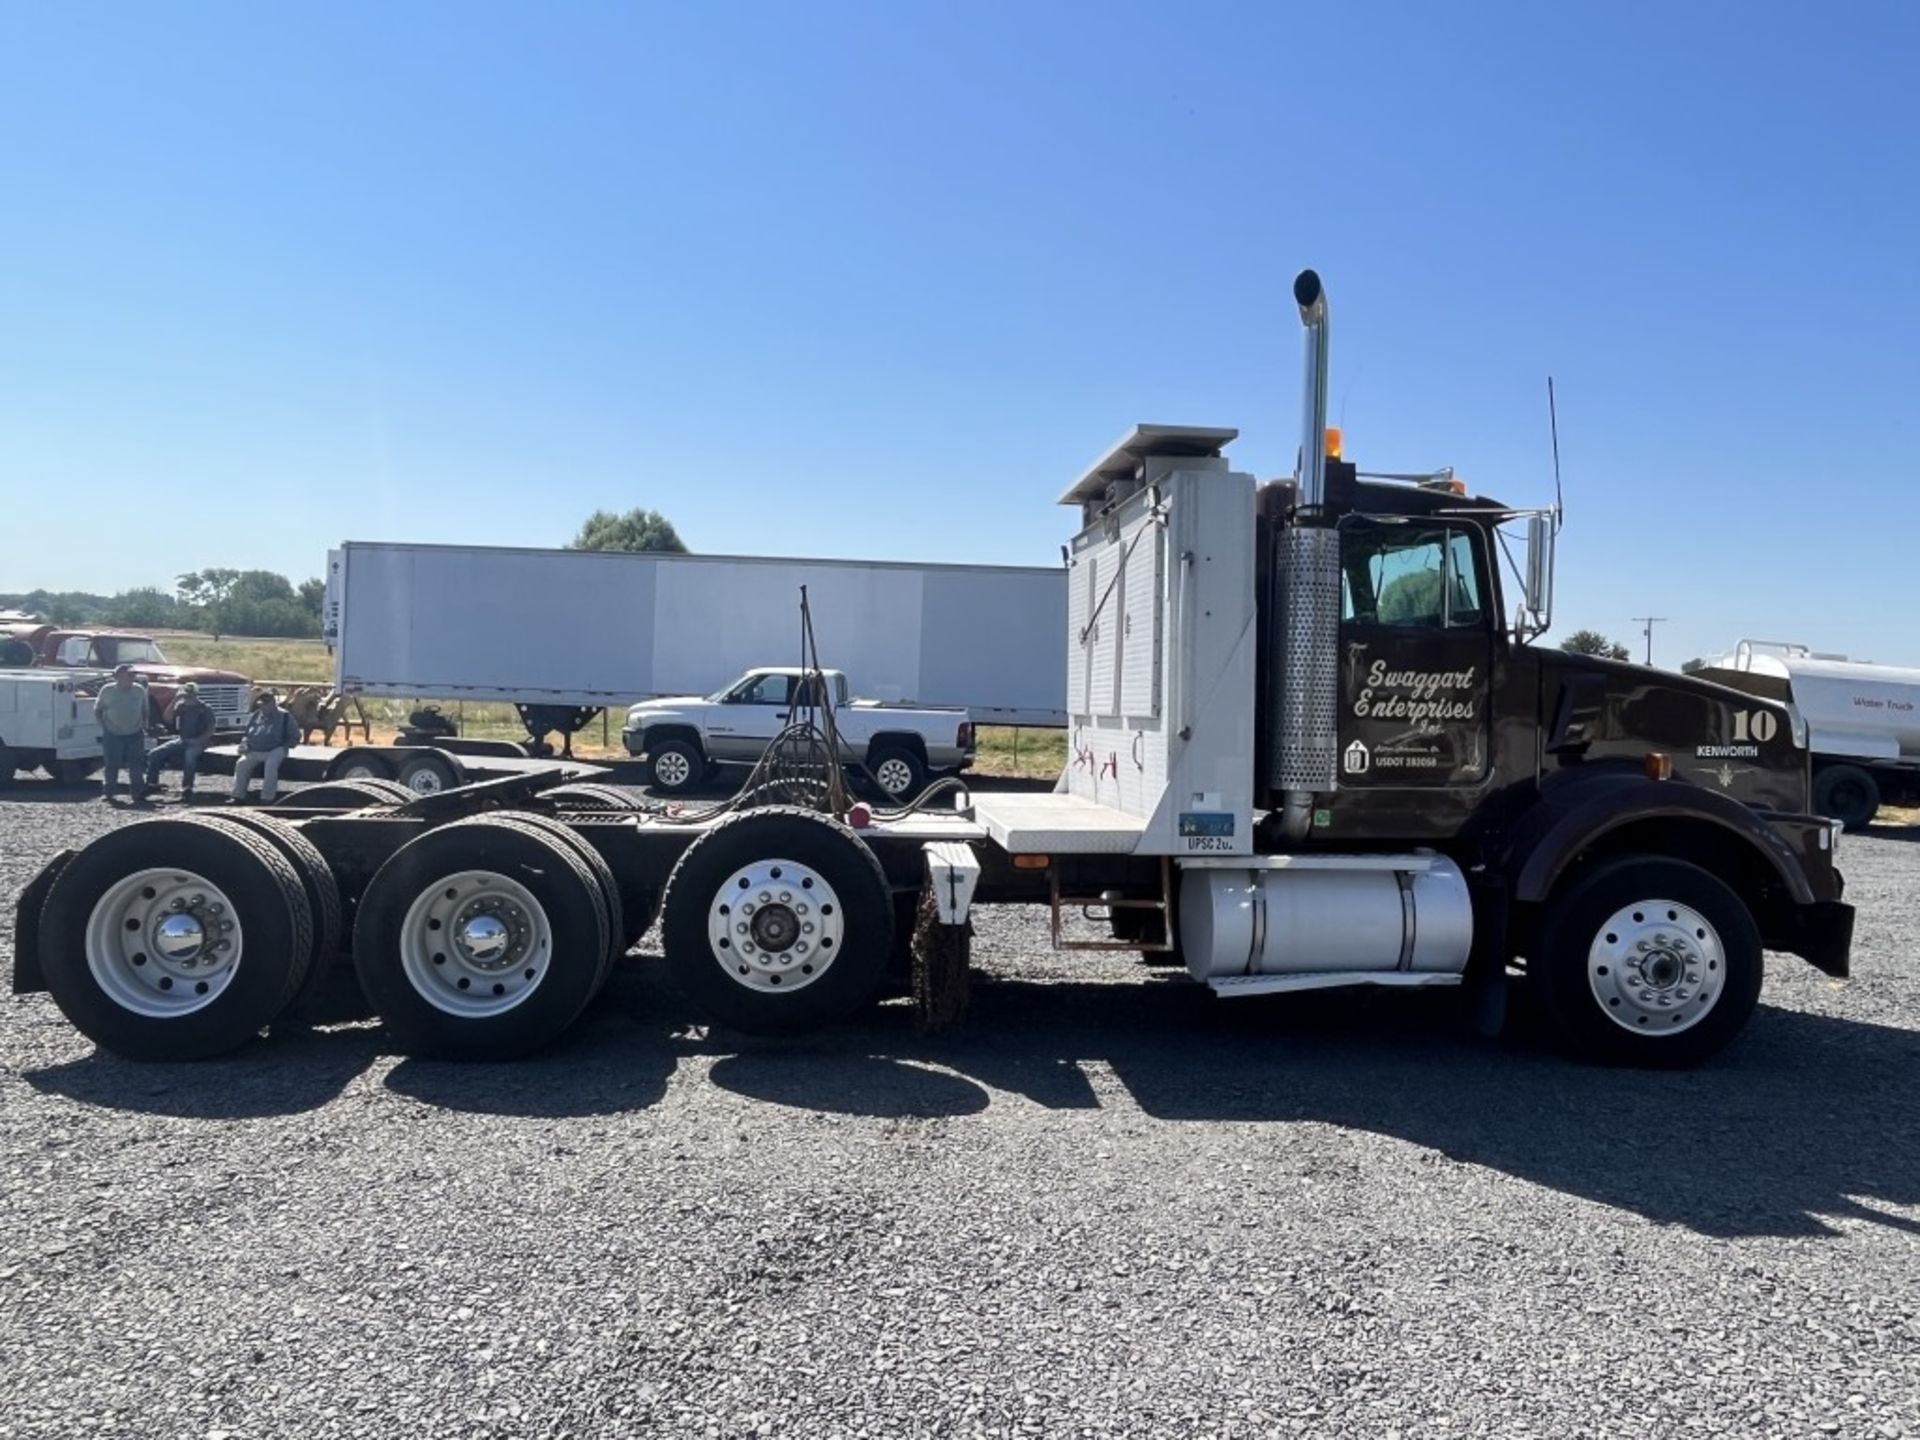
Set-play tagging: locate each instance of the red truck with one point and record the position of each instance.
(228, 695)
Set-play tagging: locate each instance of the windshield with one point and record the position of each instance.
(132, 652)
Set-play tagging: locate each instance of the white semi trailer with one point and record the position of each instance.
(1860, 720)
(583, 630)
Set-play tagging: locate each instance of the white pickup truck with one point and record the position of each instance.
(46, 722)
(683, 739)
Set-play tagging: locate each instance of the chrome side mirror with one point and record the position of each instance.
(1539, 589)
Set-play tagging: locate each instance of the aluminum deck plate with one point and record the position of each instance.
(1052, 823)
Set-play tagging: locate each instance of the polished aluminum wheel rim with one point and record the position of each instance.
(475, 944)
(775, 925)
(163, 943)
(1657, 967)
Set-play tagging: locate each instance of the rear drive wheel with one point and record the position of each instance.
(605, 884)
(322, 891)
(481, 940)
(176, 940)
(361, 765)
(427, 774)
(778, 921)
(1647, 961)
(674, 766)
(898, 772)
(1848, 794)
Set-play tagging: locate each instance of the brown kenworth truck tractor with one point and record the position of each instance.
(1309, 748)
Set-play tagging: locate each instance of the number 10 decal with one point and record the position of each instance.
(1761, 725)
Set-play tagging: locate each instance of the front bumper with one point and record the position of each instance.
(1823, 936)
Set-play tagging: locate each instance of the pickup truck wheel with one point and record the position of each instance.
(67, 772)
(480, 940)
(898, 772)
(778, 921)
(1647, 961)
(1848, 794)
(427, 774)
(176, 940)
(322, 891)
(8, 765)
(674, 766)
(361, 767)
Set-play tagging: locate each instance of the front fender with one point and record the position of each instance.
(1574, 817)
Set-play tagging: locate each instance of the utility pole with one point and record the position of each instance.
(1646, 624)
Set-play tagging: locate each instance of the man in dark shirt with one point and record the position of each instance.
(193, 727)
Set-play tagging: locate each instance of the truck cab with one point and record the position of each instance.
(227, 694)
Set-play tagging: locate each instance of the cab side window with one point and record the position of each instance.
(767, 690)
(1416, 575)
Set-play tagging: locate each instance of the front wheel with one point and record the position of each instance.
(674, 766)
(1647, 961)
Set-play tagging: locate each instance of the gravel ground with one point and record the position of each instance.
(1108, 1206)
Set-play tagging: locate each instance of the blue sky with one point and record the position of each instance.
(878, 280)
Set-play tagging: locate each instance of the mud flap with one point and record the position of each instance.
(942, 957)
(27, 976)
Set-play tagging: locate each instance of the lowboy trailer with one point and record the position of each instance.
(1307, 750)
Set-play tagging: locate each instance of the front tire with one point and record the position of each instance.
(778, 921)
(674, 766)
(1646, 961)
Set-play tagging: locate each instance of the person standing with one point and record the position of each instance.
(121, 709)
(270, 734)
(193, 726)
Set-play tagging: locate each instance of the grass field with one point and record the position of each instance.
(1003, 749)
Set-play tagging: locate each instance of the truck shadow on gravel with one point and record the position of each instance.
(1806, 1119)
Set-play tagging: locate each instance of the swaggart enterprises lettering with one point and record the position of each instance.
(1419, 696)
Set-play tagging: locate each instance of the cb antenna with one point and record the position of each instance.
(1553, 423)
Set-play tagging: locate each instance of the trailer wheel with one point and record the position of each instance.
(361, 765)
(480, 940)
(898, 772)
(674, 766)
(322, 891)
(1647, 961)
(351, 795)
(778, 921)
(1848, 794)
(176, 940)
(427, 774)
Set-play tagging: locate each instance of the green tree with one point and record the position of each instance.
(1592, 642)
(636, 530)
(142, 608)
(313, 595)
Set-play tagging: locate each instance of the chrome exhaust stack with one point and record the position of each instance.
(1307, 672)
